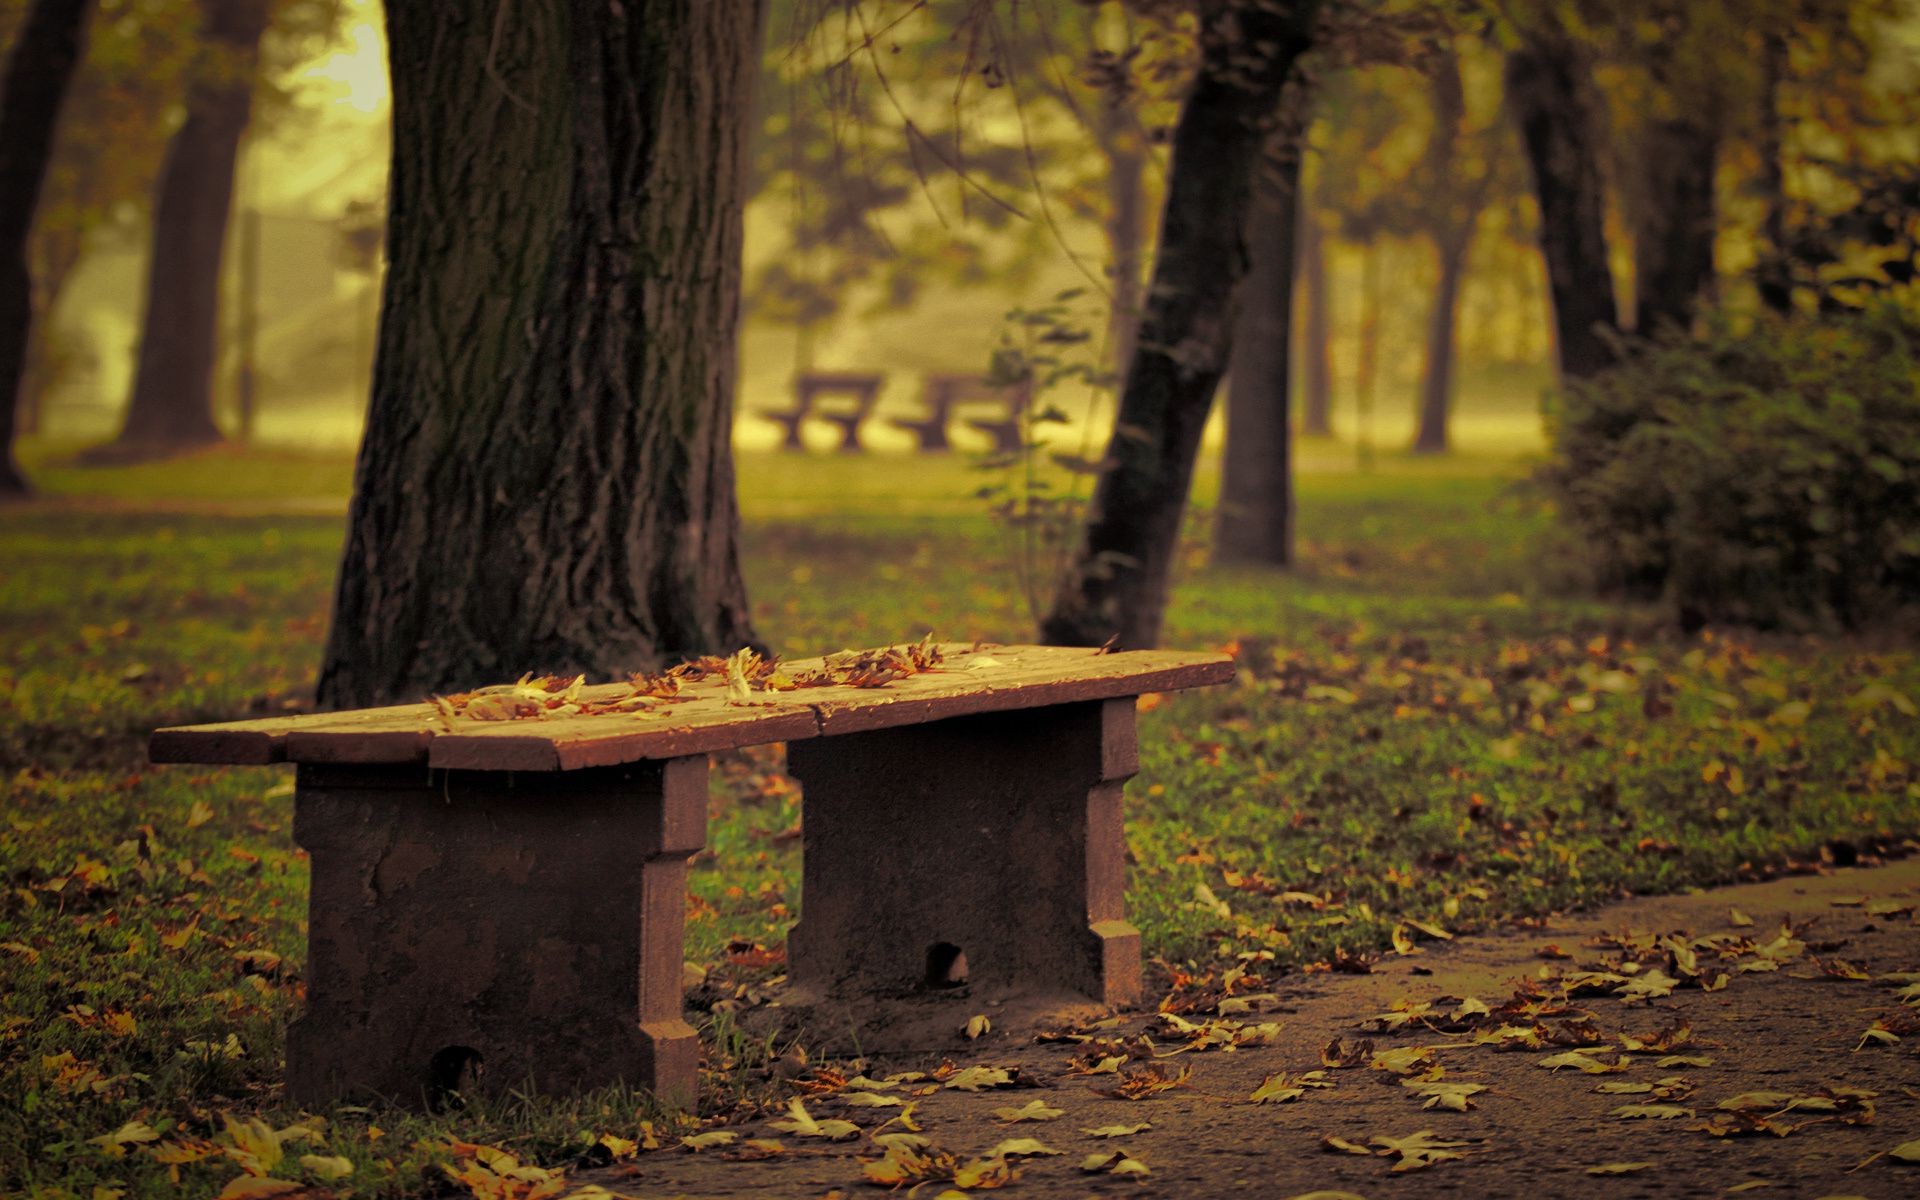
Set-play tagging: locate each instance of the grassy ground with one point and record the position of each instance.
(1420, 734)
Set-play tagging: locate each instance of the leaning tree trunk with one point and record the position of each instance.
(46, 52)
(1673, 239)
(1255, 521)
(1126, 223)
(1316, 329)
(1117, 587)
(1550, 86)
(1431, 433)
(546, 481)
(171, 406)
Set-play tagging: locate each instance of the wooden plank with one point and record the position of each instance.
(700, 725)
(1023, 677)
(987, 679)
(263, 740)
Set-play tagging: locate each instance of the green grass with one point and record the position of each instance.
(1420, 732)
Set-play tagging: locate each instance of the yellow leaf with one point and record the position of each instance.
(251, 1187)
(707, 1141)
(1033, 1110)
(1619, 1168)
(327, 1166)
(133, 1133)
(199, 814)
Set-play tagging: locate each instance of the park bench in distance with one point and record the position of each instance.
(942, 394)
(809, 386)
(516, 890)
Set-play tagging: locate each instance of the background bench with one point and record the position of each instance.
(514, 891)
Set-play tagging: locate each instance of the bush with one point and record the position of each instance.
(1766, 475)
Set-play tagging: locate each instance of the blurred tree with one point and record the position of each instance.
(118, 110)
(171, 406)
(983, 138)
(40, 67)
(1466, 164)
(1255, 520)
(1117, 589)
(1316, 324)
(1559, 109)
(546, 480)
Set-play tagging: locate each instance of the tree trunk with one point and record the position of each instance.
(171, 406)
(1117, 588)
(46, 52)
(1673, 241)
(1316, 330)
(1126, 223)
(1550, 85)
(1773, 275)
(1432, 436)
(1255, 521)
(546, 481)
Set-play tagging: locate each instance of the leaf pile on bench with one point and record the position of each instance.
(744, 672)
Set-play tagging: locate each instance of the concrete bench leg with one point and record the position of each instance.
(997, 837)
(532, 923)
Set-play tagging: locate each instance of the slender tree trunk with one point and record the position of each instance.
(1126, 225)
(1117, 588)
(546, 481)
(1316, 329)
(1550, 86)
(1772, 274)
(46, 53)
(1255, 521)
(1432, 435)
(171, 406)
(1673, 243)
(51, 261)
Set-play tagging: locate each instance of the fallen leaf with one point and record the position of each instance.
(1619, 1168)
(1650, 1112)
(974, 1079)
(1032, 1110)
(1453, 1097)
(1110, 1131)
(708, 1141)
(1581, 1060)
(327, 1166)
(1339, 1145)
(801, 1123)
(1419, 1150)
(976, 1027)
(1021, 1148)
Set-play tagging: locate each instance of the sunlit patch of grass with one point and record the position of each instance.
(1419, 733)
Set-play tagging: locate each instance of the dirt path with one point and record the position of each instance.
(1533, 1132)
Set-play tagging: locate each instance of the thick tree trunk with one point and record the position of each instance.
(1316, 330)
(1550, 85)
(46, 52)
(546, 481)
(1117, 588)
(1431, 434)
(171, 406)
(1673, 240)
(1255, 521)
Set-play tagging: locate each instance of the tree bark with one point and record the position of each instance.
(1117, 588)
(1255, 521)
(1126, 223)
(171, 406)
(1550, 85)
(1316, 329)
(546, 481)
(1772, 274)
(46, 53)
(1673, 240)
(1432, 434)
(1452, 212)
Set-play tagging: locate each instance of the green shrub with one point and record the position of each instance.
(1764, 475)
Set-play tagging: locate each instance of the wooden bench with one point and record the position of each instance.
(942, 394)
(809, 386)
(514, 891)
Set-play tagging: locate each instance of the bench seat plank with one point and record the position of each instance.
(990, 679)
